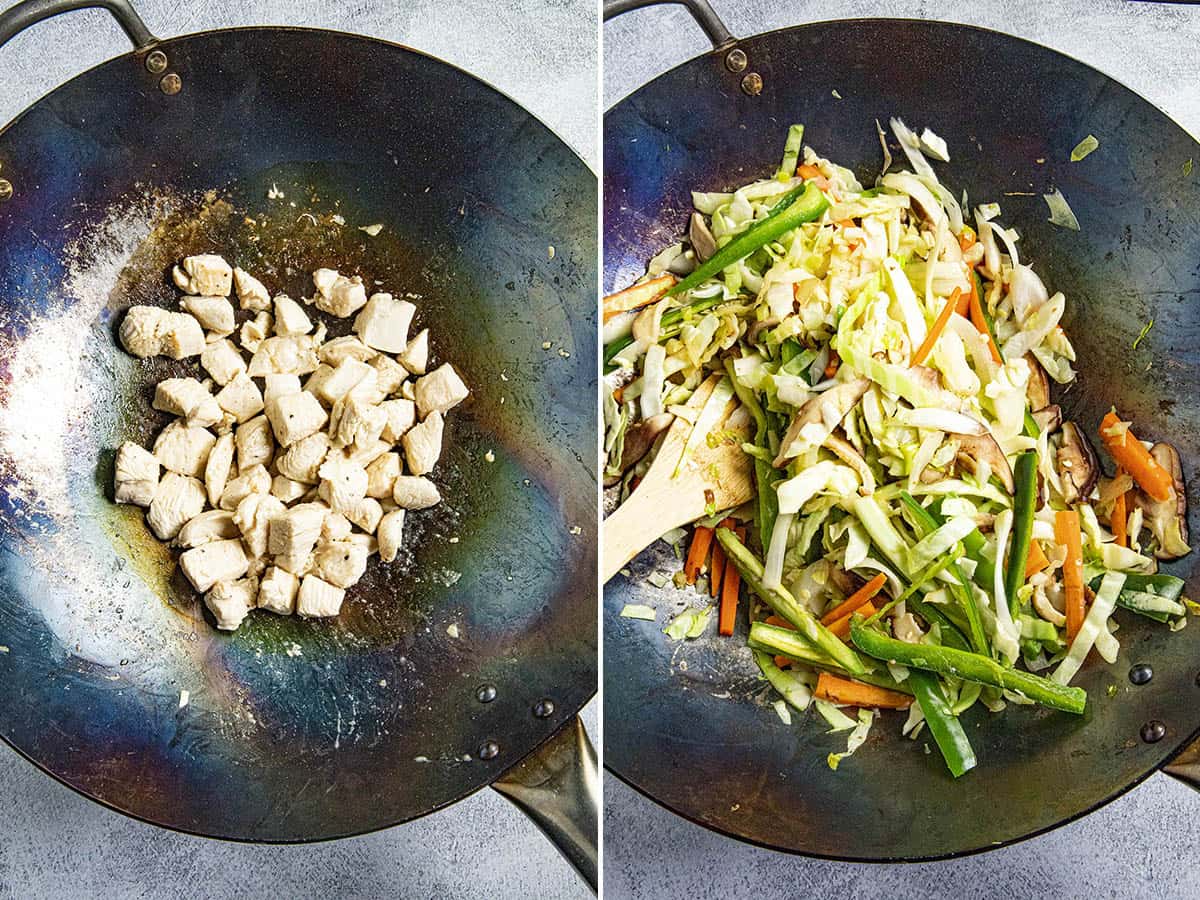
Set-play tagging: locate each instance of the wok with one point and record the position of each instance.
(115, 681)
(687, 725)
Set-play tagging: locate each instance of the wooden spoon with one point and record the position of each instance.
(718, 477)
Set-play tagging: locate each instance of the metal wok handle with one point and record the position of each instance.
(704, 15)
(559, 788)
(29, 12)
(1186, 766)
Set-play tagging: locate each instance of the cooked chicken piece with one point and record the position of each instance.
(348, 347)
(295, 417)
(222, 361)
(341, 296)
(341, 563)
(213, 313)
(389, 534)
(187, 397)
(252, 293)
(390, 374)
(214, 525)
(287, 490)
(336, 527)
(316, 382)
(367, 390)
(343, 484)
(183, 338)
(323, 281)
(253, 517)
(414, 492)
(318, 599)
(292, 355)
(387, 504)
(290, 317)
(408, 391)
(368, 543)
(207, 274)
(241, 397)
(356, 422)
(136, 475)
(337, 384)
(184, 449)
(366, 514)
(177, 499)
(401, 414)
(216, 470)
(207, 564)
(253, 481)
(364, 455)
(383, 323)
(255, 446)
(143, 330)
(280, 385)
(423, 444)
(231, 601)
(293, 535)
(303, 459)
(277, 591)
(440, 390)
(416, 355)
(255, 331)
(382, 474)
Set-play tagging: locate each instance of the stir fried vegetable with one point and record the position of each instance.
(927, 527)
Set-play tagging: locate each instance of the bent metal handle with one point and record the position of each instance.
(29, 12)
(1186, 766)
(700, 10)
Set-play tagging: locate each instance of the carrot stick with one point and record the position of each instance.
(964, 300)
(779, 623)
(845, 223)
(1135, 459)
(1120, 517)
(980, 323)
(716, 570)
(1037, 560)
(783, 661)
(966, 240)
(637, 296)
(1066, 532)
(697, 553)
(855, 600)
(833, 365)
(729, 594)
(841, 627)
(854, 693)
(807, 171)
(935, 332)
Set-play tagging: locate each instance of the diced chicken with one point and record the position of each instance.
(222, 361)
(382, 474)
(387, 504)
(341, 563)
(414, 492)
(423, 444)
(408, 391)
(383, 323)
(177, 499)
(415, 357)
(364, 455)
(293, 535)
(230, 602)
(216, 470)
(316, 382)
(389, 534)
(390, 374)
(324, 279)
(207, 564)
(440, 390)
(143, 330)
(183, 338)
(319, 599)
(184, 449)
(336, 527)
(255, 446)
(348, 347)
(287, 490)
(252, 293)
(292, 355)
(290, 317)
(302, 460)
(187, 397)
(349, 372)
(366, 514)
(241, 398)
(136, 475)
(255, 331)
(277, 591)
(207, 274)
(214, 525)
(356, 422)
(295, 417)
(340, 297)
(279, 385)
(213, 313)
(253, 481)
(401, 414)
(343, 484)
(368, 543)
(254, 517)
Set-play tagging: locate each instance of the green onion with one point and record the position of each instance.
(1024, 505)
(791, 153)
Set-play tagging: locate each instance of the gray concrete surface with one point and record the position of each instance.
(1143, 845)
(55, 844)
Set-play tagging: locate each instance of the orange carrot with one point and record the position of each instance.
(1066, 532)
(1037, 560)
(935, 332)
(779, 623)
(841, 627)
(619, 394)
(855, 600)
(637, 296)
(980, 323)
(833, 365)
(845, 223)
(1135, 459)
(855, 693)
(808, 171)
(697, 553)
(966, 240)
(1119, 519)
(716, 570)
(729, 594)
(964, 300)
(783, 661)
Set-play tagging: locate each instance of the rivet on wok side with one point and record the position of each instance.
(6, 190)
(486, 693)
(171, 84)
(1153, 732)
(735, 60)
(752, 84)
(543, 709)
(156, 62)
(490, 750)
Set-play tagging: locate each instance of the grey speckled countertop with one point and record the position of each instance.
(1142, 845)
(55, 844)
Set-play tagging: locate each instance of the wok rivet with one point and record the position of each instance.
(486, 693)
(171, 84)
(543, 709)
(490, 750)
(752, 84)
(1153, 732)
(156, 62)
(6, 190)
(1141, 674)
(735, 60)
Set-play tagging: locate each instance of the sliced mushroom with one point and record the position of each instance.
(702, 239)
(827, 409)
(1038, 389)
(639, 438)
(759, 327)
(845, 451)
(1048, 418)
(1167, 519)
(976, 449)
(1078, 468)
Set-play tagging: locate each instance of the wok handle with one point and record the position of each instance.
(1186, 766)
(558, 786)
(29, 12)
(700, 10)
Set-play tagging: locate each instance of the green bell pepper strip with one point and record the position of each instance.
(671, 325)
(791, 153)
(765, 473)
(776, 641)
(1153, 596)
(967, 666)
(1025, 478)
(947, 731)
(786, 606)
(786, 685)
